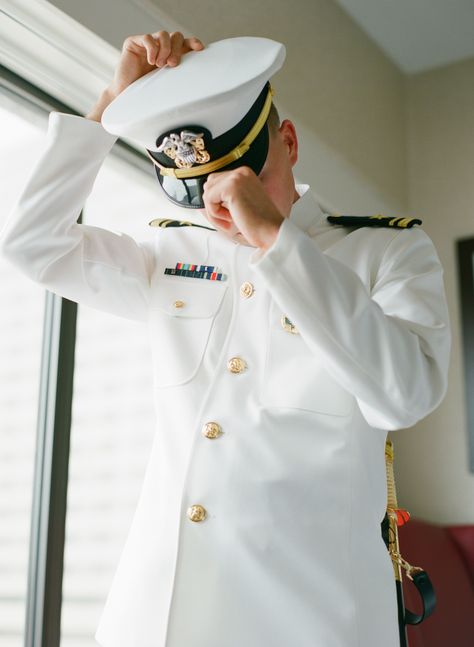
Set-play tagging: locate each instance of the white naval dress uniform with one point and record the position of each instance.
(293, 488)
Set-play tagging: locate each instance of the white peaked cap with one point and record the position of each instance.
(213, 87)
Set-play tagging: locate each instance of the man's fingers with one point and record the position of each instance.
(165, 48)
(215, 207)
(161, 47)
(192, 43)
(137, 44)
(212, 179)
(220, 222)
(152, 48)
(177, 40)
(214, 194)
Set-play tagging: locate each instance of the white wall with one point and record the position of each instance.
(441, 191)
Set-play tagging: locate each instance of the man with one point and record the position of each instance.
(284, 349)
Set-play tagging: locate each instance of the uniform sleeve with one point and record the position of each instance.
(388, 347)
(42, 238)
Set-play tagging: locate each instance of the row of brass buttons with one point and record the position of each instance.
(246, 291)
(210, 430)
(213, 430)
(237, 364)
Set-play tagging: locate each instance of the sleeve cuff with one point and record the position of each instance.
(261, 260)
(80, 132)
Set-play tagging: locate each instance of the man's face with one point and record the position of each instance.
(276, 175)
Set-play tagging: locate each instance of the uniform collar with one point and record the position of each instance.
(306, 212)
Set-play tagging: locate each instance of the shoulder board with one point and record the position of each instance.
(166, 222)
(374, 221)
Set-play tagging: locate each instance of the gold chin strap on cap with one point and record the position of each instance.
(233, 155)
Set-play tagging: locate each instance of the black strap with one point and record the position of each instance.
(422, 583)
(428, 598)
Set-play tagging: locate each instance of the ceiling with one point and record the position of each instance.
(417, 34)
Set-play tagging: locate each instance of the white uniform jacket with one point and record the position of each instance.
(293, 487)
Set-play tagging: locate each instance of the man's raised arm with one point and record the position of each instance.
(42, 238)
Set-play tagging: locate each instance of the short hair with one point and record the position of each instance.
(273, 120)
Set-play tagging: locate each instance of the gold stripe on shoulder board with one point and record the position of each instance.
(159, 222)
(373, 221)
(167, 222)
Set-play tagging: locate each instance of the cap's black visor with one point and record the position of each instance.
(186, 192)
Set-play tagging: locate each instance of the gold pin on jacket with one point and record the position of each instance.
(288, 325)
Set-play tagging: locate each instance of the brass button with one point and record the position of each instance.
(211, 430)
(196, 512)
(288, 325)
(236, 365)
(179, 304)
(246, 290)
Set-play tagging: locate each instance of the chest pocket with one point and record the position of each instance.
(294, 377)
(181, 318)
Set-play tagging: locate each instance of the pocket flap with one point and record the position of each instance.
(197, 298)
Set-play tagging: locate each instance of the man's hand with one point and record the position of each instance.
(142, 54)
(237, 201)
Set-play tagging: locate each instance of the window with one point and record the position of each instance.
(42, 600)
(21, 328)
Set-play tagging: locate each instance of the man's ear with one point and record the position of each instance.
(289, 138)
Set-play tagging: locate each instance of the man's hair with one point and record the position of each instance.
(273, 120)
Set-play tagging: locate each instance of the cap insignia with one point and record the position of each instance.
(186, 149)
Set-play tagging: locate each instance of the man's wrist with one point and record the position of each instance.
(269, 235)
(107, 96)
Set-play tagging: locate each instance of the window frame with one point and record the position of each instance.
(465, 263)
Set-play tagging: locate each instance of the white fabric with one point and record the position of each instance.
(290, 552)
(214, 87)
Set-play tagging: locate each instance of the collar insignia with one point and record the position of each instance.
(288, 325)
